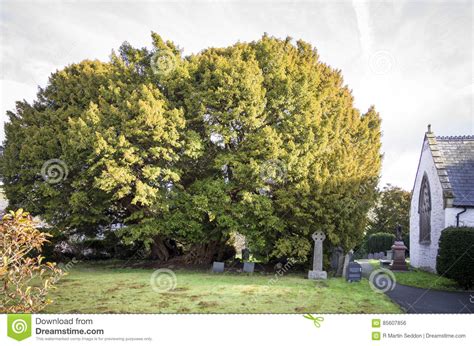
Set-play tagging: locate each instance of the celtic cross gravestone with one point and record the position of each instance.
(318, 273)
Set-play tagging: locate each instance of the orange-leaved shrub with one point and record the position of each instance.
(24, 279)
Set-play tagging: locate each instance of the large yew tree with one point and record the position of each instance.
(259, 138)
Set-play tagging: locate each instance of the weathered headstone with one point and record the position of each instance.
(317, 272)
(337, 253)
(347, 260)
(399, 249)
(218, 267)
(371, 256)
(399, 262)
(245, 254)
(340, 266)
(249, 267)
(389, 255)
(354, 272)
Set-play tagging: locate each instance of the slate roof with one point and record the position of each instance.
(458, 155)
(454, 160)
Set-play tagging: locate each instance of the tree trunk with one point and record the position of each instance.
(159, 251)
(203, 253)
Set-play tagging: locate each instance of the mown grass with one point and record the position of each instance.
(110, 289)
(422, 279)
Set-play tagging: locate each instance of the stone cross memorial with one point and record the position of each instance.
(317, 273)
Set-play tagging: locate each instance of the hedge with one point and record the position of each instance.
(379, 242)
(455, 258)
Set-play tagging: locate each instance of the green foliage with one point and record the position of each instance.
(455, 258)
(379, 242)
(392, 209)
(259, 138)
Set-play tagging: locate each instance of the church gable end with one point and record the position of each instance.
(443, 194)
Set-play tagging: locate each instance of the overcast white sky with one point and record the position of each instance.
(411, 59)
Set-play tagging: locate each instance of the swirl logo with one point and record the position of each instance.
(19, 326)
(163, 62)
(163, 280)
(381, 62)
(273, 172)
(382, 280)
(54, 171)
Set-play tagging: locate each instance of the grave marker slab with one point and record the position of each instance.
(218, 267)
(354, 272)
(347, 260)
(249, 267)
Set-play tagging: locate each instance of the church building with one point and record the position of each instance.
(442, 196)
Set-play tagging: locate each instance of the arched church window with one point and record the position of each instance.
(424, 209)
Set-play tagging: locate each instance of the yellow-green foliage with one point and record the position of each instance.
(260, 138)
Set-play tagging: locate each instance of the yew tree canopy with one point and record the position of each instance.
(259, 138)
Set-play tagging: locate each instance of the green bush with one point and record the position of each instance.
(406, 241)
(455, 258)
(380, 242)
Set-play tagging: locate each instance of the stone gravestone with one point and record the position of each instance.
(317, 272)
(371, 256)
(399, 249)
(336, 254)
(347, 259)
(245, 254)
(399, 262)
(340, 266)
(389, 255)
(249, 267)
(354, 272)
(218, 267)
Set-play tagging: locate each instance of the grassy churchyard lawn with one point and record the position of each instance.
(422, 279)
(104, 287)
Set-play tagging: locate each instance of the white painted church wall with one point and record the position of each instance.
(421, 255)
(465, 219)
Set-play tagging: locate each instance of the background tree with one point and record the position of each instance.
(392, 209)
